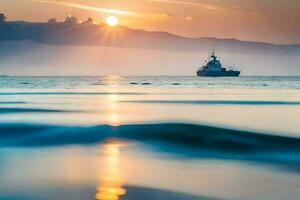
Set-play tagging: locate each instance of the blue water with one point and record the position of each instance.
(140, 137)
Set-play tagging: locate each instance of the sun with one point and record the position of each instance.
(112, 21)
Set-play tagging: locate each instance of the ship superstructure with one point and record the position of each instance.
(214, 68)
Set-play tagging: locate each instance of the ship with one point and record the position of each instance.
(213, 68)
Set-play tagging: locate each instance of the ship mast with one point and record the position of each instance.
(213, 56)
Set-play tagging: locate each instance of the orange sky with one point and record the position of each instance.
(274, 21)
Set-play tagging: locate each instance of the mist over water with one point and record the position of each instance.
(28, 58)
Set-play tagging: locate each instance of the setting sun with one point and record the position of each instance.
(112, 21)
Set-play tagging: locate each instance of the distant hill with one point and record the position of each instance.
(73, 48)
(87, 33)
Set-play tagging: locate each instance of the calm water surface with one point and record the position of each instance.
(53, 144)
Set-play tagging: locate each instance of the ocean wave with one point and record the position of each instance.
(13, 102)
(134, 192)
(196, 136)
(216, 102)
(71, 93)
(87, 191)
(30, 110)
(172, 139)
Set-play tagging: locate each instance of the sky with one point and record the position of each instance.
(275, 21)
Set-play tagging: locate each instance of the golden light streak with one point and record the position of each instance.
(111, 187)
(113, 110)
(113, 117)
(85, 7)
(188, 3)
(104, 10)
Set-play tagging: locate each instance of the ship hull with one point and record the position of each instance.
(218, 73)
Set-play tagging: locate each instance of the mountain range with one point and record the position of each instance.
(73, 48)
(87, 33)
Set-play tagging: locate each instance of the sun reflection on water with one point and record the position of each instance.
(111, 182)
(113, 116)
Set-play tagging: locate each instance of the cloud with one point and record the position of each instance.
(105, 10)
(90, 8)
(188, 3)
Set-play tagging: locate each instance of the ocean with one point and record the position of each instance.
(156, 137)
